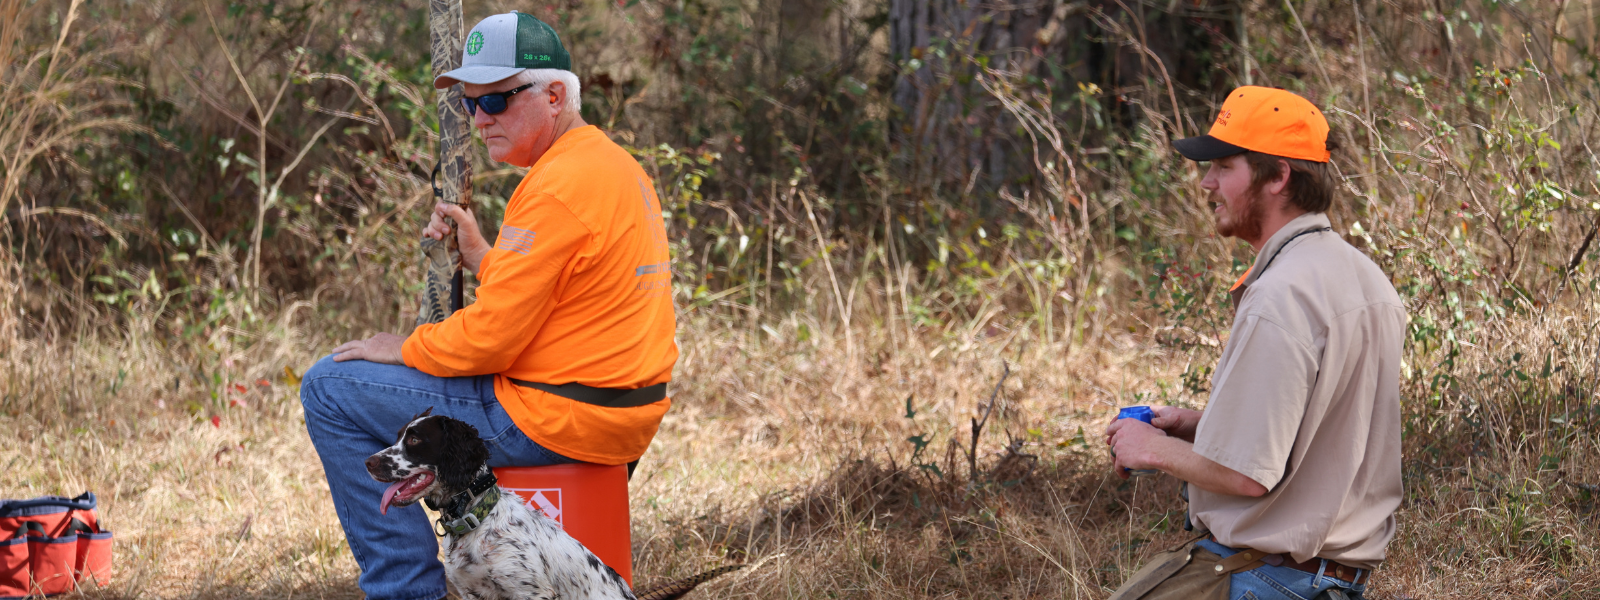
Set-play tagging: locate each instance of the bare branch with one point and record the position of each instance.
(977, 425)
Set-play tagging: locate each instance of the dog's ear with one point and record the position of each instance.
(425, 412)
(462, 453)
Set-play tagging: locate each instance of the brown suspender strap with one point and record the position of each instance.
(606, 397)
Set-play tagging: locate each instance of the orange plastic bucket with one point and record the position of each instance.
(589, 501)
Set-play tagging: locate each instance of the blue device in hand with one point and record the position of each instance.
(1140, 413)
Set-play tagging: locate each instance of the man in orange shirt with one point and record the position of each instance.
(565, 355)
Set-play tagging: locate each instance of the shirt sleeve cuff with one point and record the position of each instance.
(1240, 465)
(410, 354)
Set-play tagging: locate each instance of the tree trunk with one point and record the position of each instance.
(952, 139)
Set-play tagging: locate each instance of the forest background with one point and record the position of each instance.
(922, 251)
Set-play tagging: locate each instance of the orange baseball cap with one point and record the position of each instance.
(1266, 120)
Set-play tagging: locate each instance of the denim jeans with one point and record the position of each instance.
(1267, 582)
(356, 408)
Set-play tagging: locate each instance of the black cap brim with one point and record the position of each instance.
(1205, 147)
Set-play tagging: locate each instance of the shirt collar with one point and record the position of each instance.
(1269, 251)
(1297, 226)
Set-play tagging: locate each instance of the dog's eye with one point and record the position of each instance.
(412, 441)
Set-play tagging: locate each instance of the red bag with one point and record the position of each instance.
(50, 545)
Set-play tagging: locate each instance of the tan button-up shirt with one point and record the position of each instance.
(1306, 401)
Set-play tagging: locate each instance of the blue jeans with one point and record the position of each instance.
(356, 408)
(1267, 582)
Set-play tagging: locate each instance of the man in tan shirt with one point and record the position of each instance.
(1295, 463)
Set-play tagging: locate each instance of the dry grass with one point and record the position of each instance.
(240, 508)
(776, 450)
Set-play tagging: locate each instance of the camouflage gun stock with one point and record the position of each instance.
(452, 178)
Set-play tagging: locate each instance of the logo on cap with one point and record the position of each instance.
(520, 42)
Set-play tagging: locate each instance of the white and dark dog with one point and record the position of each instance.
(495, 546)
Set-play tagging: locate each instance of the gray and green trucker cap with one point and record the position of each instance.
(504, 45)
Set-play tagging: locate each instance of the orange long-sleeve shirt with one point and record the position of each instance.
(576, 289)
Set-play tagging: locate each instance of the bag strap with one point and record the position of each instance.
(75, 527)
(27, 527)
(66, 523)
(19, 508)
(35, 528)
(1202, 535)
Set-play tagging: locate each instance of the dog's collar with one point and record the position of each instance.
(465, 511)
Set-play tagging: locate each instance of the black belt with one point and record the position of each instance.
(606, 397)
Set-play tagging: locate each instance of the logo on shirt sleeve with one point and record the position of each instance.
(665, 267)
(515, 239)
(653, 219)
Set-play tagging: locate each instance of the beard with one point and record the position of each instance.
(1243, 218)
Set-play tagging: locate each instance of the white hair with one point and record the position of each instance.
(542, 78)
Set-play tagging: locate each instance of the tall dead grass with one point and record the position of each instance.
(777, 450)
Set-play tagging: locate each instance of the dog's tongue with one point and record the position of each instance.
(388, 495)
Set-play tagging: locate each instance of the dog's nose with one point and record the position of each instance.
(372, 463)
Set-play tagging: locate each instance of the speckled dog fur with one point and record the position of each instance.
(517, 552)
(521, 553)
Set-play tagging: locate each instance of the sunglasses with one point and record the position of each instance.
(492, 104)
